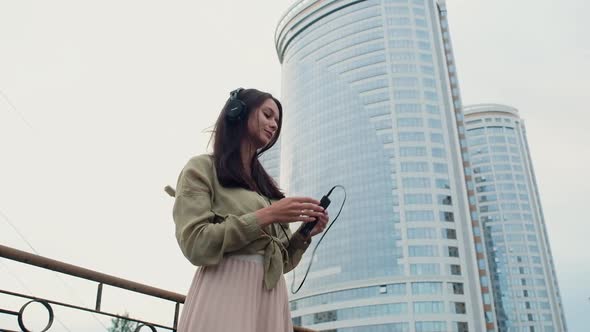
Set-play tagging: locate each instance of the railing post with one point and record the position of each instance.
(98, 297)
(175, 326)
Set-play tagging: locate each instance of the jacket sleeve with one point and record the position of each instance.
(297, 247)
(203, 242)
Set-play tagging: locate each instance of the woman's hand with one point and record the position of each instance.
(292, 209)
(321, 225)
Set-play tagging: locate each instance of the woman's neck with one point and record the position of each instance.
(247, 153)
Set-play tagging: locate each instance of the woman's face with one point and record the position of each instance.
(263, 123)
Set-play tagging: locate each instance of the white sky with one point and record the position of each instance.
(103, 102)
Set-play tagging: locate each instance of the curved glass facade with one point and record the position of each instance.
(368, 105)
(525, 288)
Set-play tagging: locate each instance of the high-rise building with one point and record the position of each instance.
(526, 293)
(372, 103)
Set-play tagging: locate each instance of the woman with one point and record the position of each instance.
(233, 221)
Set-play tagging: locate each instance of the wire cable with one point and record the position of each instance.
(5, 97)
(70, 289)
(24, 286)
(320, 241)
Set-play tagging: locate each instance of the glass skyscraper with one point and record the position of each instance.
(526, 293)
(369, 105)
(372, 102)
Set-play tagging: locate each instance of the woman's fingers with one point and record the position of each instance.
(314, 214)
(321, 225)
(307, 200)
(322, 220)
(304, 209)
(311, 207)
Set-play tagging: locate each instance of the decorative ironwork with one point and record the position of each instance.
(76, 271)
(142, 325)
(21, 323)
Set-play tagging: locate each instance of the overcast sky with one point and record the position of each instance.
(103, 102)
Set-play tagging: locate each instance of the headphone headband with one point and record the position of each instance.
(234, 94)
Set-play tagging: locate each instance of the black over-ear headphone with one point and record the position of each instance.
(236, 107)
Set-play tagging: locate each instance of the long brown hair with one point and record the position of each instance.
(227, 142)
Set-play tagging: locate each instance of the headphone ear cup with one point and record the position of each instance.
(236, 110)
(236, 107)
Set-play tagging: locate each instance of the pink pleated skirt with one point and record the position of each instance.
(231, 297)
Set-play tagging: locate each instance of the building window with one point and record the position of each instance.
(462, 327)
(482, 169)
(403, 68)
(487, 198)
(431, 326)
(419, 216)
(483, 189)
(400, 33)
(453, 251)
(432, 109)
(445, 199)
(424, 269)
(325, 316)
(479, 247)
(429, 95)
(407, 108)
(414, 167)
(411, 137)
(434, 123)
(421, 233)
(409, 122)
(459, 307)
(412, 151)
(416, 182)
(418, 11)
(455, 269)
(438, 152)
(488, 208)
(428, 82)
(418, 198)
(423, 251)
(426, 288)
(406, 94)
(457, 288)
(443, 184)
(436, 138)
(449, 233)
(481, 264)
(405, 81)
(428, 307)
(474, 141)
(447, 216)
(479, 179)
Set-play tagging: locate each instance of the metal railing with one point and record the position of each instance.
(80, 272)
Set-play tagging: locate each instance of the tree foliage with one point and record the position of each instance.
(122, 325)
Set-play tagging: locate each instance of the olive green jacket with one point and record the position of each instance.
(213, 221)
